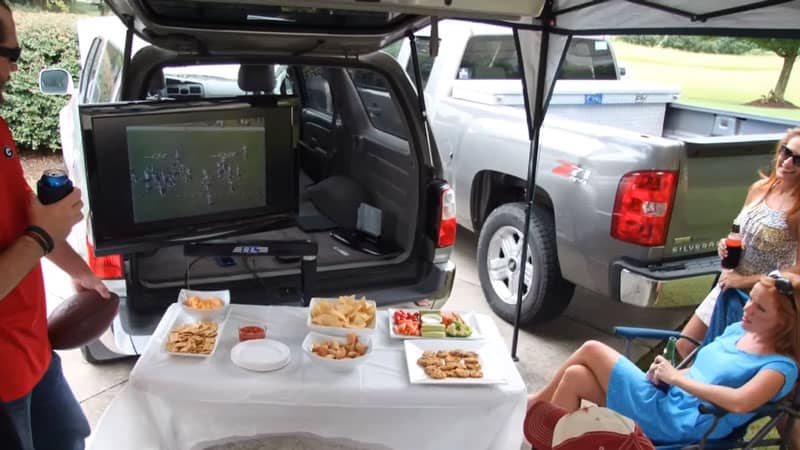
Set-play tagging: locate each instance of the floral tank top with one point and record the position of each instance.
(768, 243)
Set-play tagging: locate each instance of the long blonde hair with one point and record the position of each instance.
(768, 182)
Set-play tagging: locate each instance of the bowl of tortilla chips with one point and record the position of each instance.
(343, 315)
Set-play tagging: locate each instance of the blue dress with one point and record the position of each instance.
(671, 415)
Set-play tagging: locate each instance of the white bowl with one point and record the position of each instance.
(340, 331)
(217, 314)
(339, 365)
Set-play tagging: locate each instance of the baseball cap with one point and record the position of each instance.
(549, 427)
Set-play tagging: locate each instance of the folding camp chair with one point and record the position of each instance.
(728, 310)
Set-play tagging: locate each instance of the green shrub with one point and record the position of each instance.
(697, 44)
(47, 40)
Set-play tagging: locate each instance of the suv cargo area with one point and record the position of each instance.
(359, 152)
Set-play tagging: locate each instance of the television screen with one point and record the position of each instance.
(160, 172)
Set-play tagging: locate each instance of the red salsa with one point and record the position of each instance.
(251, 332)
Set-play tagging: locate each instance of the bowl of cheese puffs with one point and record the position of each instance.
(338, 353)
(205, 305)
(342, 316)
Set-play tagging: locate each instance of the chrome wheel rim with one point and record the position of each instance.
(503, 261)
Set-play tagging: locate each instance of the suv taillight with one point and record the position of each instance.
(447, 218)
(105, 267)
(643, 207)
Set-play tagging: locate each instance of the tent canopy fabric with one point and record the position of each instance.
(542, 43)
(731, 17)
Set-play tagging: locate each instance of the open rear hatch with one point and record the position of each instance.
(333, 27)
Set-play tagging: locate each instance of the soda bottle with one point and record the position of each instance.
(53, 186)
(669, 350)
(734, 246)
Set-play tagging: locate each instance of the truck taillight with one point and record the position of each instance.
(643, 206)
(105, 267)
(447, 218)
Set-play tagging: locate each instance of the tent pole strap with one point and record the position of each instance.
(533, 157)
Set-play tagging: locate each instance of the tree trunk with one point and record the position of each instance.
(783, 79)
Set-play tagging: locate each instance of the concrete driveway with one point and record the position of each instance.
(540, 350)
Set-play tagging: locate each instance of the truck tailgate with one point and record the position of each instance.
(715, 175)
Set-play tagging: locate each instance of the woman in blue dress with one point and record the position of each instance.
(751, 363)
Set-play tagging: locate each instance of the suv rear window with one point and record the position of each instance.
(378, 102)
(495, 58)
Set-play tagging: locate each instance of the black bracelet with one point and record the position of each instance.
(38, 239)
(42, 237)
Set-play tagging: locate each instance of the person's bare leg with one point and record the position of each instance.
(694, 328)
(596, 356)
(579, 383)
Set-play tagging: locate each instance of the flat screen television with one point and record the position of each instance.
(169, 172)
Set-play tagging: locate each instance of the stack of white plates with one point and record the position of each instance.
(262, 355)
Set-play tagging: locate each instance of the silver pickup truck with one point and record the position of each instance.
(631, 197)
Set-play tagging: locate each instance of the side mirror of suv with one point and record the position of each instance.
(55, 82)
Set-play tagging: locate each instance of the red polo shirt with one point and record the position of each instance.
(24, 346)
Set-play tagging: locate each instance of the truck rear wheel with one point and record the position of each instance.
(546, 294)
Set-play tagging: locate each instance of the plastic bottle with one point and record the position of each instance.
(734, 246)
(669, 350)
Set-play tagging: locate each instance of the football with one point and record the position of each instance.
(80, 319)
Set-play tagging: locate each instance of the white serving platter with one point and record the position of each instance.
(490, 354)
(183, 318)
(468, 316)
(261, 355)
(339, 331)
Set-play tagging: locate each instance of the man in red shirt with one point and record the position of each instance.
(32, 386)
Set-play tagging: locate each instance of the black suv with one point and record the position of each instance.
(367, 192)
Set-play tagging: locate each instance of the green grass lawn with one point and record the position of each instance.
(715, 81)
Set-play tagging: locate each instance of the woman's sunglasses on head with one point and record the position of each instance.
(784, 287)
(786, 152)
(11, 53)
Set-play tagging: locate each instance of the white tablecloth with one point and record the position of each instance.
(175, 402)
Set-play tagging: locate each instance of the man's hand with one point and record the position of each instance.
(663, 370)
(57, 219)
(91, 283)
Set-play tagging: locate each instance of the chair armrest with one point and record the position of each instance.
(644, 333)
(761, 411)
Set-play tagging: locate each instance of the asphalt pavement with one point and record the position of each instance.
(540, 349)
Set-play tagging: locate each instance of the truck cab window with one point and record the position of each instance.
(495, 58)
(489, 58)
(588, 59)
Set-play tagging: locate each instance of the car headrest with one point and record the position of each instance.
(156, 83)
(256, 78)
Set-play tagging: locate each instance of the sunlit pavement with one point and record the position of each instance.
(540, 350)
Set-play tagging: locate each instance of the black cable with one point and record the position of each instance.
(188, 269)
(246, 262)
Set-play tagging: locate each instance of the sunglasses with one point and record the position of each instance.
(11, 53)
(784, 287)
(786, 152)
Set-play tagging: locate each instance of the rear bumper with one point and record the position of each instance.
(676, 283)
(131, 330)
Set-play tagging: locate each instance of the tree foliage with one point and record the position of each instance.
(697, 44)
(47, 40)
(788, 49)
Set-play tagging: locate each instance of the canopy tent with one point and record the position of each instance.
(542, 43)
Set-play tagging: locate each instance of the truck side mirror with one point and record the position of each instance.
(622, 72)
(55, 81)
